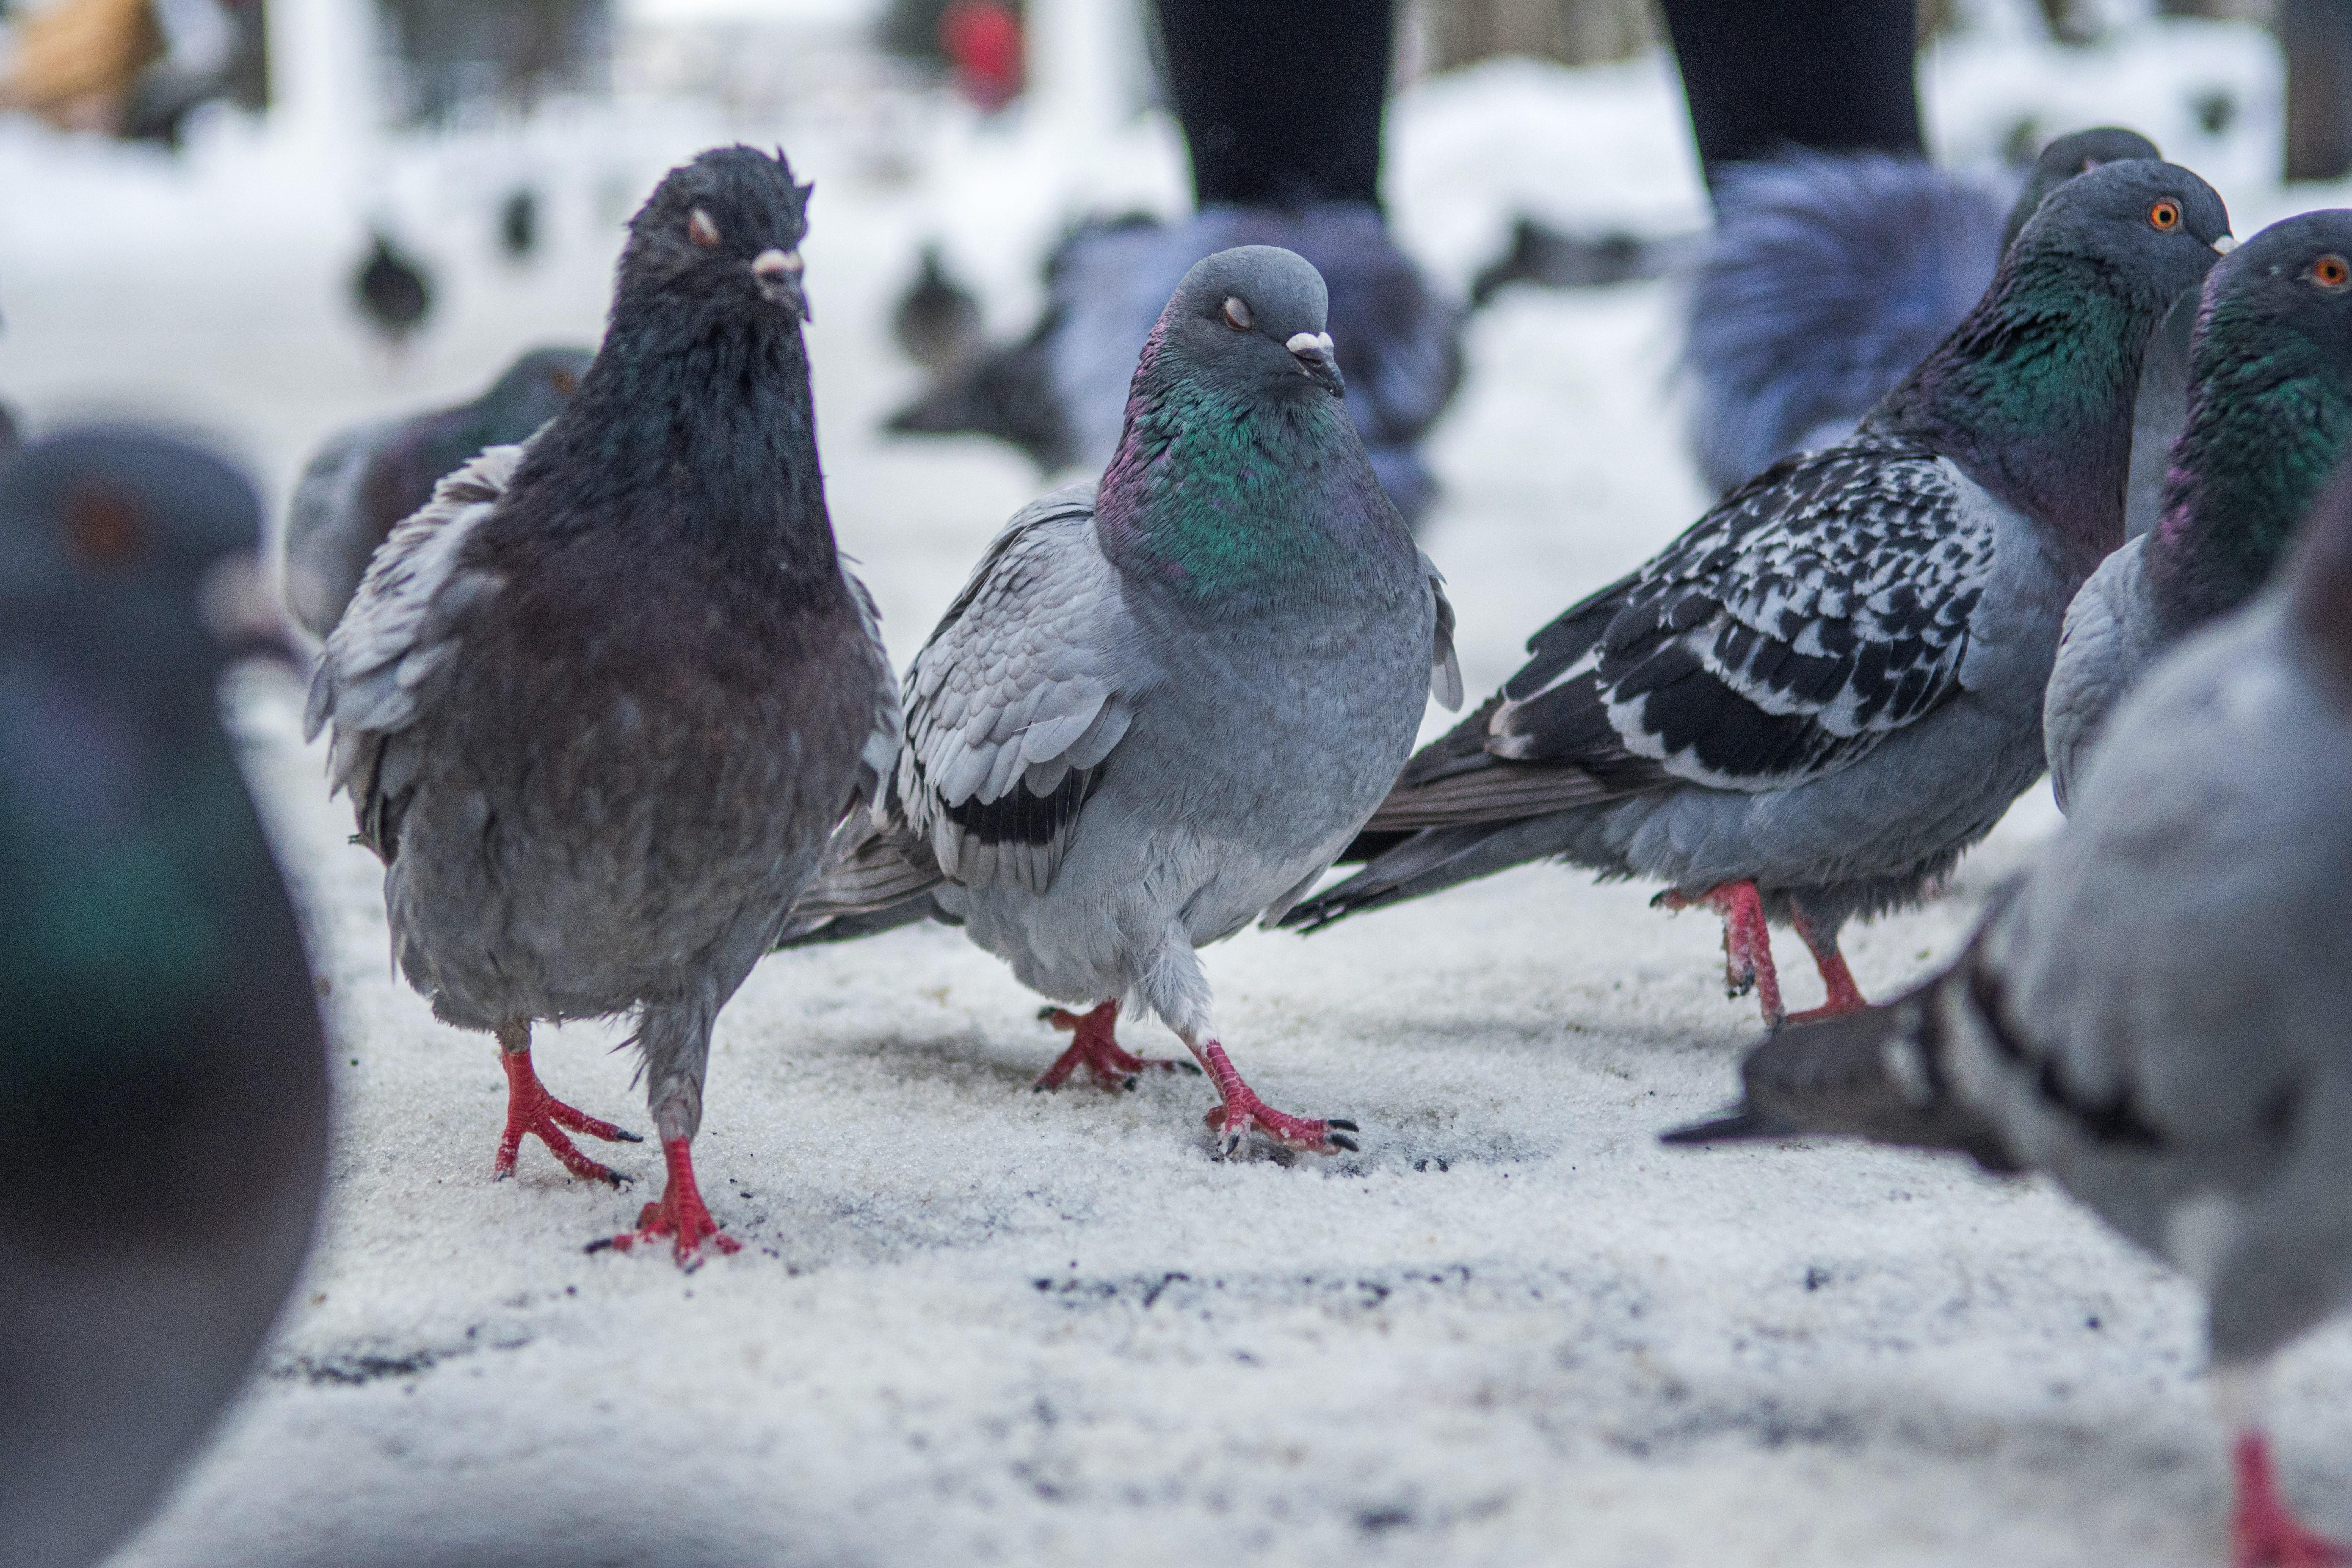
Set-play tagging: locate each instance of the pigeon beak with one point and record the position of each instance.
(779, 272)
(234, 601)
(1313, 353)
(2225, 245)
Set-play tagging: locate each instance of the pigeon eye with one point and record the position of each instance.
(1237, 314)
(701, 230)
(2164, 213)
(102, 529)
(2331, 272)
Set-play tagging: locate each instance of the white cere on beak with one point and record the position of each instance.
(2225, 245)
(773, 263)
(1311, 345)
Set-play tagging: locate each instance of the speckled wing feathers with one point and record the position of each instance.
(1816, 610)
(380, 666)
(1020, 695)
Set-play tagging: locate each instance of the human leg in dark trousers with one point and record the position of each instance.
(1280, 100)
(1832, 75)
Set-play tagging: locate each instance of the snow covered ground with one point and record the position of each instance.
(972, 1324)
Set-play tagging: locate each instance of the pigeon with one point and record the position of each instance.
(163, 1081)
(518, 223)
(1163, 704)
(2270, 414)
(2156, 1016)
(1828, 277)
(1105, 285)
(600, 704)
(938, 320)
(1810, 704)
(392, 289)
(366, 479)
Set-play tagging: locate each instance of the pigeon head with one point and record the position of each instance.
(136, 552)
(535, 388)
(2033, 393)
(2270, 414)
(726, 228)
(1251, 323)
(2067, 157)
(2158, 228)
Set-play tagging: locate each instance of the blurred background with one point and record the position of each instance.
(189, 187)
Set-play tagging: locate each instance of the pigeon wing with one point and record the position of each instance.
(1018, 698)
(388, 656)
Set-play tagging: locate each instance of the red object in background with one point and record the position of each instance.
(982, 39)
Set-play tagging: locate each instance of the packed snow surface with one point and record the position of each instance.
(974, 1324)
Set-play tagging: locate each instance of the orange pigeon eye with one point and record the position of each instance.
(1237, 314)
(2164, 213)
(700, 229)
(2331, 272)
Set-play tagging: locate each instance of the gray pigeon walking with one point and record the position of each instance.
(2269, 415)
(365, 481)
(1808, 706)
(2156, 1017)
(1158, 709)
(600, 704)
(162, 1074)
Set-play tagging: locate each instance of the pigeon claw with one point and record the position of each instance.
(2264, 1533)
(678, 1216)
(1240, 1109)
(1096, 1047)
(531, 1112)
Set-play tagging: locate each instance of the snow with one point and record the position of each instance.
(972, 1324)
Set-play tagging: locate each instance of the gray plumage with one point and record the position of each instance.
(2157, 1015)
(1150, 718)
(1061, 393)
(162, 1073)
(599, 705)
(2266, 415)
(366, 479)
(1831, 685)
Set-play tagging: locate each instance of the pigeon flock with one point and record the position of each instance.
(613, 712)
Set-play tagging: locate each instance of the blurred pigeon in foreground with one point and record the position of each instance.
(1060, 394)
(1150, 716)
(2157, 1015)
(163, 1079)
(937, 321)
(392, 290)
(1830, 275)
(1808, 706)
(2270, 412)
(367, 479)
(599, 705)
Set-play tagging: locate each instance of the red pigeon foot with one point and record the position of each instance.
(679, 1215)
(1747, 942)
(1242, 1110)
(532, 1109)
(2264, 1533)
(1096, 1047)
(1844, 995)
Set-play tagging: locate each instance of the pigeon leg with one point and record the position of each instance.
(1095, 1046)
(1240, 1109)
(1747, 942)
(2264, 1531)
(532, 1109)
(1844, 995)
(680, 1213)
